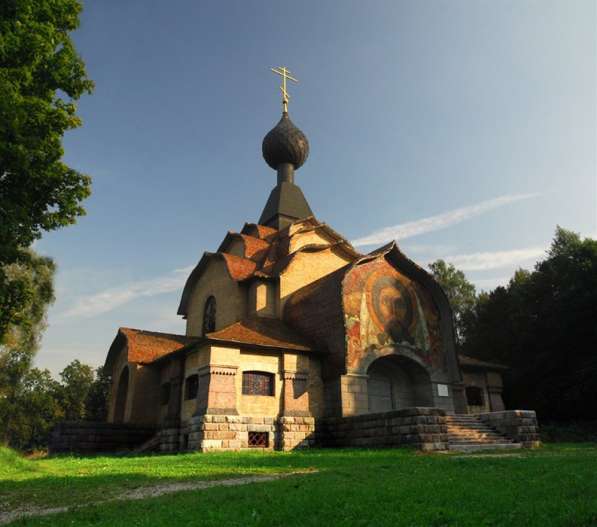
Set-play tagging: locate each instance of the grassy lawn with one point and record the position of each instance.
(556, 485)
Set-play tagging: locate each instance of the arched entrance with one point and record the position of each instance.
(396, 382)
(121, 396)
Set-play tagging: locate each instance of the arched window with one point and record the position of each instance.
(191, 387)
(209, 315)
(258, 383)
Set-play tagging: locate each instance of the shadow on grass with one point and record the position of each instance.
(547, 487)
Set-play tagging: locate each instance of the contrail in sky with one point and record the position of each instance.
(435, 223)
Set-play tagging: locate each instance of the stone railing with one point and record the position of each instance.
(519, 425)
(419, 427)
(85, 437)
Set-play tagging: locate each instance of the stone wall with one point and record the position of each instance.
(422, 428)
(231, 432)
(83, 437)
(519, 425)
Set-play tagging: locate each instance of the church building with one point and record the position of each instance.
(294, 338)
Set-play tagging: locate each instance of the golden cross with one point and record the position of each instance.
(285, 74)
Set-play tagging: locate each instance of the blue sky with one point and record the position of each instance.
(466, 129)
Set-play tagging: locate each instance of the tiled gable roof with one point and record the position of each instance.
(144, 347)
(238, 268)
(267, 253)
(260, 231)
(262, 332)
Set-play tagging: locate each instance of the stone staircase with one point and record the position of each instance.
(467, 433)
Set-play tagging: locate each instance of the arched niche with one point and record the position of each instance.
(121, 395)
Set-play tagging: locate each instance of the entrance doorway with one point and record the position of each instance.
(396, 382)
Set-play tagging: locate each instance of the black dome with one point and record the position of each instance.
(285, 143)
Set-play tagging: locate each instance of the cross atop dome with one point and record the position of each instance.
(285, 149)
(284, 72)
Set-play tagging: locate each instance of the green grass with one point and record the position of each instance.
(556, 485)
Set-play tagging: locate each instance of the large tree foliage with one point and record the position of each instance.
(96, 405)
(31, 411)
(30, 284)
(543, 325)
(77, 379)
(38, 402)
(460, 292)
(41, 78)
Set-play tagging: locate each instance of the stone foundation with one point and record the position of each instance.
(296, 432)
(170, 440)
(84, 437)
(519, 425)
(422, 428)
(232, 432)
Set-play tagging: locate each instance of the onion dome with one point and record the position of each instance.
(285, 143)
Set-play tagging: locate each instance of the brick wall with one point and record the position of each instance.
(88, 437)
(422, 428)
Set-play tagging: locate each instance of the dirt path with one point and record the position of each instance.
(149, 492)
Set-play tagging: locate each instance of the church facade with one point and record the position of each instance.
(293, 336)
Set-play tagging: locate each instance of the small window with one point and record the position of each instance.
(258, 439)
(258, 383)
(209, 315)
(474, 396)
(165, 393)
(191, 387)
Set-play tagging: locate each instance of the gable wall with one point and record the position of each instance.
(305, 268)
(236, 247)
(308, 238)
(231, 301)
(383, 307)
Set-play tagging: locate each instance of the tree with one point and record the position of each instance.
(41, 78)
(460, 292)
(77, 379)
(96, 405)
(30, 413)
(542, 325)
(31, 280)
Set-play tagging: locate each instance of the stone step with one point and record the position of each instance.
(484, 441)
(472, 431)
(476, 436)
(468, 433)
(476, 447)
(473, 427)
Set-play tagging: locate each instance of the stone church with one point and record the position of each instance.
(294, 338)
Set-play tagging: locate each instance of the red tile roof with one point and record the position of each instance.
(144, 347)
(267, 252)
(255, 248)
(239, 268)
(262, 332)
(263, 232)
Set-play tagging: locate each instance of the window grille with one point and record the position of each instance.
(165, 393)
(191, 387)
(258, 439)
(258, 383)
(474, 396)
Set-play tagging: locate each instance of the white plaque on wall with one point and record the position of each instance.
(442, 390)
